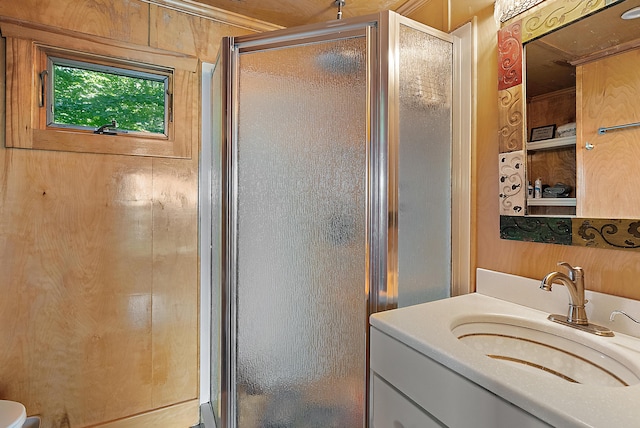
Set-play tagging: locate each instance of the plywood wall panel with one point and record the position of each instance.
(188, 34)
(24, 9)
(99, 261)
(175, 282)
(433, 14)
(76, 253)
(553, 166)
(558, 108)
(125, 20)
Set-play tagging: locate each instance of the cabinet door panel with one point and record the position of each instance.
(393, 410)
(607, 175)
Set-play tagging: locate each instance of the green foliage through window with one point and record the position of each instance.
(92, 98)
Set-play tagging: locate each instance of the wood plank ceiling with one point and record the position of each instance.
(290, 13)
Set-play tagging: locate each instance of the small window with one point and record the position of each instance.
(71, 92)
(106, 99)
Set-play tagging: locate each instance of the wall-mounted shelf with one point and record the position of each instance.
(552, 202)
(552, 143)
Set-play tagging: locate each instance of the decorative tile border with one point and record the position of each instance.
(510, 119)
(557, 14)
(504, 11)
(584, 232)
(597, 233)
(511, 183)
(603, 233)
(509, 56)
(549, 230)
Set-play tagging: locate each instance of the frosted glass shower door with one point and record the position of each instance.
(300, 173)
(425, 81)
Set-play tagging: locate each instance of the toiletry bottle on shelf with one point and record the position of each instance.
(537, 190)
(530, 190)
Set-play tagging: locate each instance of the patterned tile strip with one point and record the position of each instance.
(550, 230)
(604, 233)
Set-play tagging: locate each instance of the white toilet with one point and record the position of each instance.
(12, 414)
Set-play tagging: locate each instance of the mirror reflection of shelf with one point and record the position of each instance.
(552, 143)
(552, 202)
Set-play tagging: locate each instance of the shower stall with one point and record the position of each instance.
(331, 172)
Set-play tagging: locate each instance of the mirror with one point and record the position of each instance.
(567, 75)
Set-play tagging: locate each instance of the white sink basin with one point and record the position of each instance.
(507, 319)
(548, 350)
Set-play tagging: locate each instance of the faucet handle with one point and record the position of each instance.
(618, 311)
(573, 271)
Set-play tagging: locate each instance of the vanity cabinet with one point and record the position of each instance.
(391, 409)
(411, 390)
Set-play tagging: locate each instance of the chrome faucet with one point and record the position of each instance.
(574, 282)
(577, 316)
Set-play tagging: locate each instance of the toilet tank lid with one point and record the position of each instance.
(12, 414)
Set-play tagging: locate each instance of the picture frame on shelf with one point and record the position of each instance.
(543, 133)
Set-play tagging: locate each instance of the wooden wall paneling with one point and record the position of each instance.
(77, 253)
(175, 262)
(62, 39)
(80, 253)
(432, 13)
(192, 35)
(556, 108)
(553, 166)
(121, 20)
(175, 282)
(213, 13)
(24, 9)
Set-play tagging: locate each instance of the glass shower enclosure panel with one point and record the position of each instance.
(300, 174)
(335, 171)
(425, 80)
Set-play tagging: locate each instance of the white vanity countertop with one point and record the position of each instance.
(427, 329)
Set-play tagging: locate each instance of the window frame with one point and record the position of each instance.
(27, 47)
(47, 82)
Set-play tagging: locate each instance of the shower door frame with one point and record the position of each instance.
(381, 170)
(234, 47)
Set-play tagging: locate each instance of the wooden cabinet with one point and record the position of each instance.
(552, 160)
(599, 166)
(607, 174)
